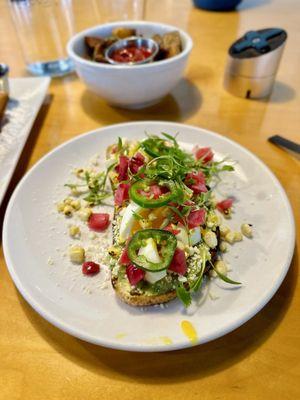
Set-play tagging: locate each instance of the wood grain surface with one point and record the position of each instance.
(261, 359)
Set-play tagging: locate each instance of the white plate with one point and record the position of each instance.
(26, 97)
(76, 304)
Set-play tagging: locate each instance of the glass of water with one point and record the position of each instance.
(44, 27)
(118, 10)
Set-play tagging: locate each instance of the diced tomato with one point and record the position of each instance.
(136, 162)
(196, 218)
(134, 274)
(189, 203)
(178, 263)
(124, 259)
(155, 191)
(205, 153)
(171, 229)
(98, 222)
(224, 205)
(122, 193)
(158, 191)
(122, 168)
(176, 217)
(90, 268)
(196, 182)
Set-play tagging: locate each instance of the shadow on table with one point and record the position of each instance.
(183, 102)
(26, 154)
(282, 93)
(182, 365)
(246, 4)
(59, 80)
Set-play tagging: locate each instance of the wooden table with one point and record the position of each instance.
(261, 359)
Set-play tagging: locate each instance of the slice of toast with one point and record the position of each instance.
(144, 296)
(126, 294)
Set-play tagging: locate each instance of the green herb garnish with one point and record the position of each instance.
(224, 277)
(183, 295)
(95, 185)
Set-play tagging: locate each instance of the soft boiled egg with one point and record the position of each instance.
(135, 218)
(195, 235)
(191, 238)
(128, 220)
(150, 251)
(153, 277)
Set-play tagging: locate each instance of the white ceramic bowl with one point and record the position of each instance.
(130, 86)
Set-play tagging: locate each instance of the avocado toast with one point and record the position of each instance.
(166, 234)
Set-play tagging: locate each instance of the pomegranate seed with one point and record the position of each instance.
(90, 268)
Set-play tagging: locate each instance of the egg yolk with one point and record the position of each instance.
(152, 218)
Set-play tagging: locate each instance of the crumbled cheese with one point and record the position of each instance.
(92, 235)
(182, 278)
(50, 261)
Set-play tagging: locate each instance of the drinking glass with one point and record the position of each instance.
(44, 27)
(173, 12)
(118, 10)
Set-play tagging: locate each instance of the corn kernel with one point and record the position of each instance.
(76, 204)
(68, 211)
(68, 200)
(223, 247)
(74, 231)
(246, 230)
(79, 172)
(212, 273)
(75, 191)
(210, 239)
(77, 254)
(144, 223)
(212, 220)
(121, 240)
(224, 230)
(230, 237)
(114, 251)
(221, 267)
(227, 214)
(85, 214)
(238, 236)
(60, 207)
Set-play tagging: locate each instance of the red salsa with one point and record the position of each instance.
(131, 54)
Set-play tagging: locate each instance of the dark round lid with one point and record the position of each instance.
(257, 43)
(3, 69)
